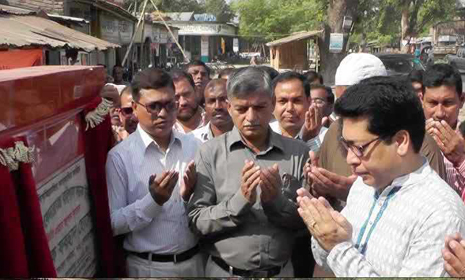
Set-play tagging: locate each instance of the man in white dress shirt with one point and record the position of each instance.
(295, 116)
(150, 177)
(398, 210)
(216, 110)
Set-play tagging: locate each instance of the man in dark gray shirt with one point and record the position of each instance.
(244, 199)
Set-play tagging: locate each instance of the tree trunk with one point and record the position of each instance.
(337, 9)
(404, 27)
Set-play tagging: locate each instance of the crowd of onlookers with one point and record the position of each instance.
(256, 173)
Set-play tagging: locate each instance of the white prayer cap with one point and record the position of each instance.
(358, 66)
(118, 87)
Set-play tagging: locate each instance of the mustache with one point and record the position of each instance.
(219, 112)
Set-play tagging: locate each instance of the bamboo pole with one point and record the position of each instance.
(169, 29)
(135, 32)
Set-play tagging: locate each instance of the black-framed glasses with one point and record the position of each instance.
(126, 111)
(156, 107)
(357, 150)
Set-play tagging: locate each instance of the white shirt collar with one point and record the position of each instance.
(410, 179)
(147, 139)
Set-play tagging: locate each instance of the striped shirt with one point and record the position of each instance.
(148, 226)
(314, 144)
(399, 233)
(456, 177)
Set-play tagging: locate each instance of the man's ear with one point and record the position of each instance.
(403, 141)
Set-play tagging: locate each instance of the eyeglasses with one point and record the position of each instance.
(318, 101)
(357, 150)
(126, 111)
(156, 107)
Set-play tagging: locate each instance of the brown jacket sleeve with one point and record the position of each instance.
(434, 155)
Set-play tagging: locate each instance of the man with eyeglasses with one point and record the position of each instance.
(128, 120)
(323, 98)
(151, 176)
(330, 174)
(398, 210)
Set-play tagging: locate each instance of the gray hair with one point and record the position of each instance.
(248, 80)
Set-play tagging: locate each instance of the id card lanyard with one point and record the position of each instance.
(362, 247)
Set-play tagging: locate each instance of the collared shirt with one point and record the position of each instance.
(204, 133)
(148, 226)
(179, 128)
(456, 176)
(246, 236)
(403, 240)
(314, 144)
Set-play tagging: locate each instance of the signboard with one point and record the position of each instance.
(115, 30)
(336, 42)
(236, 45)
(204, 48)
(205, 29)
(65, 206)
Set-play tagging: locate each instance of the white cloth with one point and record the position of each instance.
(408, 239)
(204, 133)
(148, 226)
(193, 267)
(358, 66)
(118, 87)
(314, 144)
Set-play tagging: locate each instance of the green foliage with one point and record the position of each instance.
(220, 9)
(265, 20)
(381, 19)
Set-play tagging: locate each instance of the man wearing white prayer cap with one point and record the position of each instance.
(356, 67)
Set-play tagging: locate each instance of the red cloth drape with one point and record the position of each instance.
(99, 140)
(24, 248)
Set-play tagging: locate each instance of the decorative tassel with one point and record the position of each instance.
(98, 115)
(11, 157)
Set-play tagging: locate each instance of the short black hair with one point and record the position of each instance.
(116, 66)
(225, 72)
(462, 128)
(329, 92)
(389, 104)
(273, 73)
(178, 75)
(198, 63)
(443, 75)
(291, 75)
(416, 76)
(150, 78)
(313, 76)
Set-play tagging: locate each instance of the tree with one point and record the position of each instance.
(391, 21)
(336, 10)
(220, 9)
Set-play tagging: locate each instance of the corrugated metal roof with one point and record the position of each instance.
(15, 11)
(294, 37)
(21, 31)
